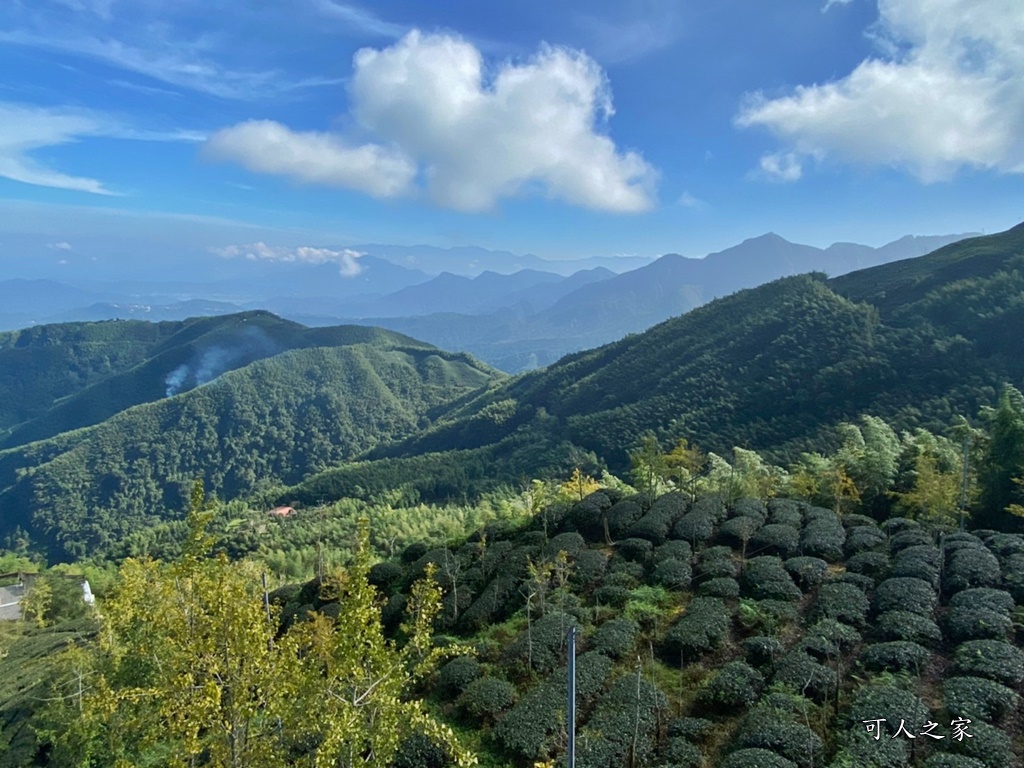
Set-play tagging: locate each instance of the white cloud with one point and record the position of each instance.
(264, 146)
(62, 246)
(426, 101)
(637, 28)
(687, 200)
(26, 128)
(829, 4)
(359, 19)
(781, 166)
(946, 92)
(347, 260)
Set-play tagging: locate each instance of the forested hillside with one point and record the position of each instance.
(267, 423)
(772, 369)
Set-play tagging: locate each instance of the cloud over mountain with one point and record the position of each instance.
(472, 138)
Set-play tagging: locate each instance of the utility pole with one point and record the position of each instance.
(572, 697)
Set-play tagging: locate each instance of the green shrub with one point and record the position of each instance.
(761, 650)
(625, 722)
(680, 753)
(696, 729)
(978, 699)
(733, 686)
(1013, 576)
(854, 520)
(569, 542)
(862, 538)
(673, 574)
(385, 575)
(393, 612)
(621, 516)
(895, 525)
(785, 512)
(723, 586)
(873, 564)
(807, 572)
(805, 675)
(969, 623)
(1004, 544)
(624, 572)
(487, 697)
(588, 568)
(756, 758)
(755, 509)
(905, 594)
(738, 530)
(992, 659)
(997, 600)
(766, 727)
(613, 596)
(712, 505)
(918, 562)
(765, 578)
(843, 602)
(716, 562)
(859, 580)
(615, 638)
(543, 643)
(766, 616)
(701, 629)
(776, 539)
(635, 550)
(657, 523)
(971, 567)
(457, 674)
(673, 550)
(823, 537)
(892, 704)
(941, 760)
(418, 751)
(913, 537)
(895, 656)
(524, 730)
(586, 515)
(414, 552)
(826, 638)
(904, 625)
(694, 527)
(990, 746)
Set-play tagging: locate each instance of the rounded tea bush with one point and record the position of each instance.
(776, 539)
(768, 728)
(701, 629)
(588, 568)
(842, 602)
(970, 623)
(458, 674)
(997, 600)
(978, 699)
(802, 673)
(673, 574)
(673, 550)
(738, 529)
(785, 512)
(861, 538)
(971, 567)
(807, 572)
(694, 527)
(992, 659)
(904, 625)
(872, 564)
(732, 687)
(913, 537)
(765, 578)
(615, 637)
(418, 751)
(941, 760)
(761, 650)
(487, 697)
(723, 587)
(756, 758)
(636, 550)
(991, 746)
(385, 575)
(695, 729)
(717, 561)
(680, 753)
(903, 593)
(896, 656)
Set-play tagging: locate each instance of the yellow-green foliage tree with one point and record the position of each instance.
(579, 486)
(189, 671)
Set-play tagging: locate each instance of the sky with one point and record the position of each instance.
(153, 128)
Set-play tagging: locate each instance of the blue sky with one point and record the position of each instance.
(563, 129)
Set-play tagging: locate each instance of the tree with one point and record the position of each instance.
(579, 486)
(1003, 458)
(649, 467)
(685, 463)
(189, 671)
(935, 494)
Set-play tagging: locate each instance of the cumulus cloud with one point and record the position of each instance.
(946, 92)
(832, 3)
(781, 166)
(62, 246)
(473, 140)
(347, 260)
(264, 146)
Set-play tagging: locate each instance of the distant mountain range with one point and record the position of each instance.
(514, 312)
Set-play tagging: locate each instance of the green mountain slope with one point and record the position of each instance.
(69, 376)
(270, 422)
(770, 368)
